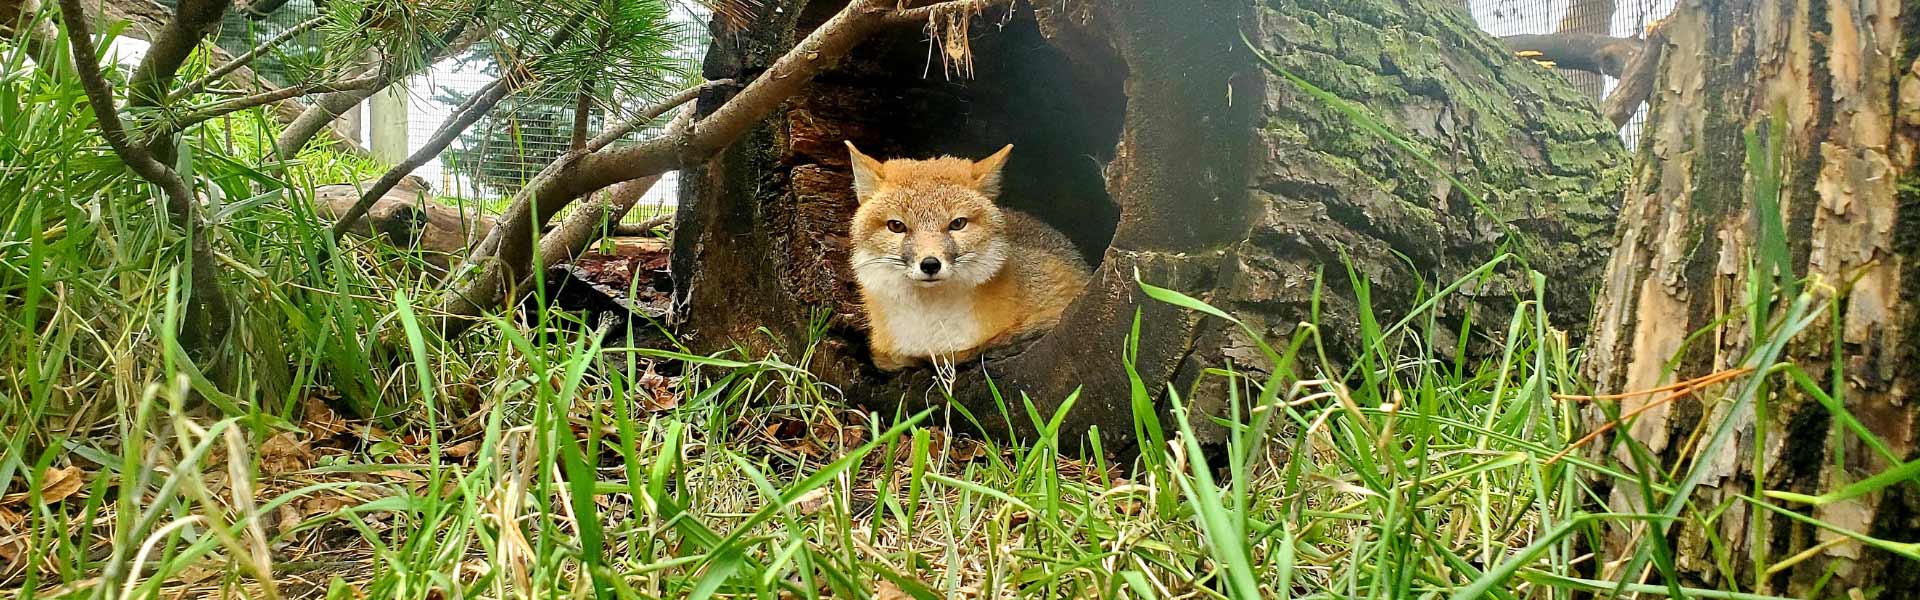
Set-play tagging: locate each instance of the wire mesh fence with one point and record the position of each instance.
(1616, 18)
(528, 131)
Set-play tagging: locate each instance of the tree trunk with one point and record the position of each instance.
(1843, 76)
(1147, 131)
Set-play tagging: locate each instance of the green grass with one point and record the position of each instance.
(528, 460)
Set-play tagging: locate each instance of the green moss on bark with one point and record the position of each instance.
(1548, 168)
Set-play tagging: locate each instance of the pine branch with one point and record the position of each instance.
(191, 22)
(208, 307)
(100, 96)
(245, 58)
(227, 107)
(469, 113)
(328, 107)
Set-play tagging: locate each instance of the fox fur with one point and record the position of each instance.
(944, 272)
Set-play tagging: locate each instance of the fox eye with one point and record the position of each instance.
(957, 224)
(896, 227)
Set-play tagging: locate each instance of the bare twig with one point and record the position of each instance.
(926, 14)
(317, 117)
(614, 134)
(582, 102)
(245, 58)
(1679, 390)
(260, 9)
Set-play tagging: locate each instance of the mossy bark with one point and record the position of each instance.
(1844, 78)
(1150, 133)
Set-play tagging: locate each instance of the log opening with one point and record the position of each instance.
(892, 98)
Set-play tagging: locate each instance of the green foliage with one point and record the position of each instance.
(1412, 478)
(305, 58)
(623, 63)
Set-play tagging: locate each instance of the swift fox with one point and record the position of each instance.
(944, 273)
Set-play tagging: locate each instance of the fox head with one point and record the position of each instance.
(927, 223)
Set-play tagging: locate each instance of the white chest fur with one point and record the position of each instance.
(925, 322)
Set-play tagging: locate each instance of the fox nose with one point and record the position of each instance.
(929, 265)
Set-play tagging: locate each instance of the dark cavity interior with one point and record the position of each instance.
(1063, 120)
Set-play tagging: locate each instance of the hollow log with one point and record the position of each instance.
(1149, 133)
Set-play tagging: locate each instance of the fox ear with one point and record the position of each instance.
(986, 173)
(866, 173)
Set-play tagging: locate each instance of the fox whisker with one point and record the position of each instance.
(882, 260)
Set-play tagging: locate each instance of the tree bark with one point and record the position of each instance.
(1148, 134)
(1843, 77)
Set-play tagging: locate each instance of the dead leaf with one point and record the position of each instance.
(55, 485)
(841, 437)
(287, 518)
(322, 505)
(11, 550)
(285, 453)
(811, 502)
(321, 421)
(462, 449)
(886, 590)
(657, 391)
(962, 449)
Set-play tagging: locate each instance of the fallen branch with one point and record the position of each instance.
(583, 226)
(469, 113)
(1636, 81)
(643, 228)
(440, 234)
(1577, 51)
(24, 27)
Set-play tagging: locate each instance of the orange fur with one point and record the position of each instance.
(1000, 276)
